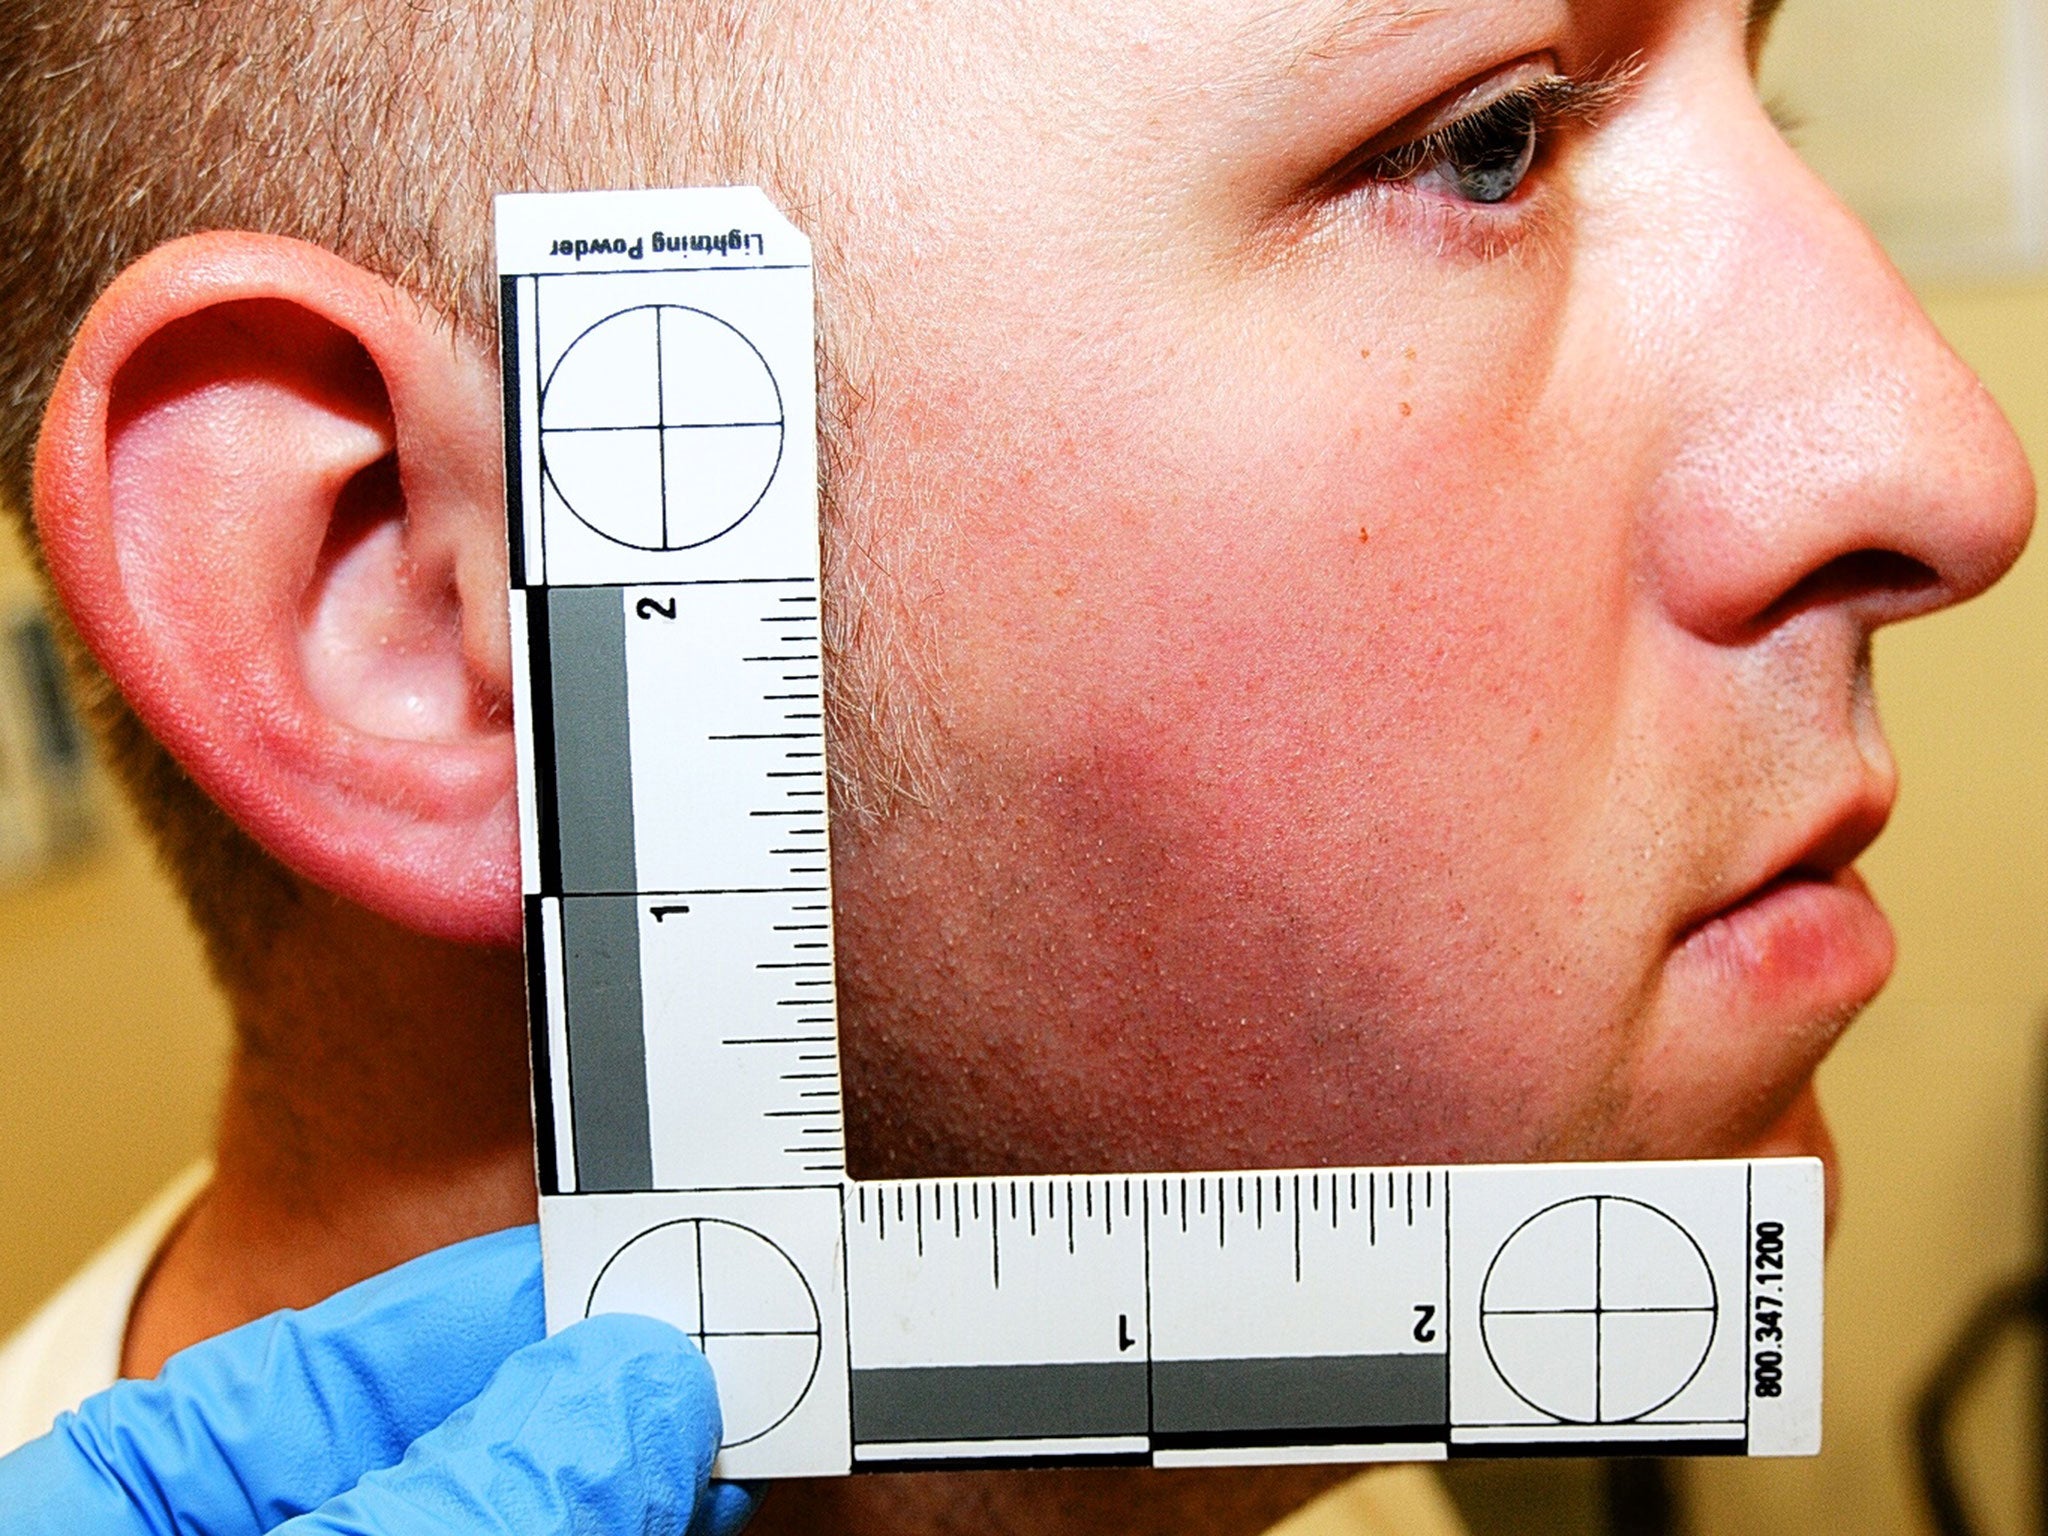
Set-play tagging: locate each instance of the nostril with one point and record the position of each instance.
(1892, 584)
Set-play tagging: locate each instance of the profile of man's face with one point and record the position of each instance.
(1386, 505)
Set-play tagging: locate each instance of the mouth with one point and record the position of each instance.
(1798, 952)
(1811, 933)
(1772, 978)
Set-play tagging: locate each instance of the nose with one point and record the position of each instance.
(1828, 448)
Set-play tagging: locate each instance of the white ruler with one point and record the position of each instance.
(661, 444)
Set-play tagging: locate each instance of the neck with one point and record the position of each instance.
(376, 1108)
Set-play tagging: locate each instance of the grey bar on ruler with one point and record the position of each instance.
(1334, 1392)
(593, 739)
(998, 1402)
(607, 1051)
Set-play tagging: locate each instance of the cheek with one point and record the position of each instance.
(1276, 750)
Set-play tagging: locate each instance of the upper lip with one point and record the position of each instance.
(1829, 844)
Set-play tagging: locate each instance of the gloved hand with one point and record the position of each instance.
(420, 1403)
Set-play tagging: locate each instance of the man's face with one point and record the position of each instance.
(1396, 627)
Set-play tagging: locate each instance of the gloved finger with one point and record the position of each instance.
(248, 1429)
(726, 1508)
(609, 1426)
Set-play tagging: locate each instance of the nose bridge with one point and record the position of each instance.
(1815, 412)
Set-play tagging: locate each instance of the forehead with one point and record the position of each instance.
(1124, 58)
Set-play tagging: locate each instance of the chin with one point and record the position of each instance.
(1802, 1131)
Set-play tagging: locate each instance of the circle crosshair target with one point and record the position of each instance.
(1598, 1310)
(661, 427)
(739, 1297)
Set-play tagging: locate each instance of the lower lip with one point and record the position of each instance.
(1804, 949)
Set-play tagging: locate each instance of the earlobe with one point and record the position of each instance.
(268, 489)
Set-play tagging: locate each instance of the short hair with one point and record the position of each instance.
(379, 129)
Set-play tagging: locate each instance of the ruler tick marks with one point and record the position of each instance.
(1297, 1230)
(779, 1040)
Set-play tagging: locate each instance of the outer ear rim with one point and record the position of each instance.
(73, 499)
(174, 281)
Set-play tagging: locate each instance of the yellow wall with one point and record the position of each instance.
(111, 1045)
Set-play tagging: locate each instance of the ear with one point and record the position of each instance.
(269, 491)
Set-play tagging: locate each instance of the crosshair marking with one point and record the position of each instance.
(1598, 1310)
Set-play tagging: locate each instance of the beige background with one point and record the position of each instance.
(1929, 117)
(111, 1046)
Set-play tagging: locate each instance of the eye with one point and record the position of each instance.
(1481, 157)
(1485, 155)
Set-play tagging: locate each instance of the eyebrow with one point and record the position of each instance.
(1348, 25)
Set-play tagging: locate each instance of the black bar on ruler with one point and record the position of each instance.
(1602, 1449)
(607, 1049)
(541, 671)
(1076, 1456)
(537, 1035)
(515, 493)
(593, 742)
(998, 1402)
(1329, 1399)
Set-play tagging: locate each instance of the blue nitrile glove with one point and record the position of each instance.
(420, 1403)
